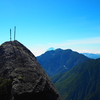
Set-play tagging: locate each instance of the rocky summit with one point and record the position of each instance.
(21, 76)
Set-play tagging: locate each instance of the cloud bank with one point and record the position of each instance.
(89, 45)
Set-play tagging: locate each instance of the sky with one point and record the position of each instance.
(41, 24)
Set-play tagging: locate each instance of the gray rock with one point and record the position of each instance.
(24, 78)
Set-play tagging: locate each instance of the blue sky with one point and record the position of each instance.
(41, 24)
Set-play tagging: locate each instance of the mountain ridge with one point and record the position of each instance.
(82, 82)
(58, 61)
(92, 55)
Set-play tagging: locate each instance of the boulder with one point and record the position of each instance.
(22, 77)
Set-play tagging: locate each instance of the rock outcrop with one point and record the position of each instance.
(21, 76)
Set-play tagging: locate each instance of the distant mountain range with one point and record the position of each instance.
(82, 82)
(92, 55)
(58, 61)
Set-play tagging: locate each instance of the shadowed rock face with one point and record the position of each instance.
(21, 75)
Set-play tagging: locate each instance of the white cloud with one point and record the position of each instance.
(38, 51)
(79, 45)
(49, 43)
(93, 40)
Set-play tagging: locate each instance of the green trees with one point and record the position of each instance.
(81, 82)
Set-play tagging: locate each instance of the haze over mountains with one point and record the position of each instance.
(92, 55)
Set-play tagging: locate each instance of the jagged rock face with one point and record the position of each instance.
(22, 76)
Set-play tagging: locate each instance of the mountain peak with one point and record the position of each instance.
(51, 48)
(21, 76)
(59, 61)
